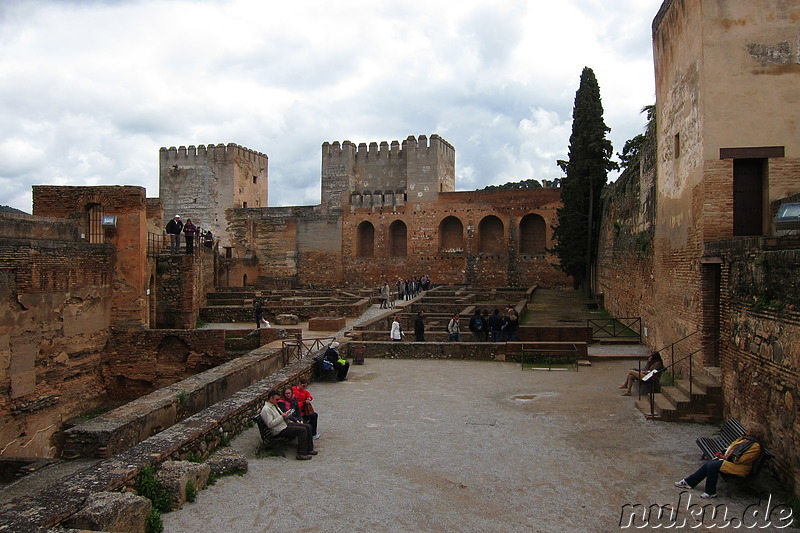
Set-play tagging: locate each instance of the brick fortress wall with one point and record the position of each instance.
(55, 307)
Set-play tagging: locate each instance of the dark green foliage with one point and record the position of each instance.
(191, 491)
(515, 185)
(586, 175)
(149, 488)
(631, 152)
(154, 524)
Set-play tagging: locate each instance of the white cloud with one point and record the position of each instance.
(89, 90)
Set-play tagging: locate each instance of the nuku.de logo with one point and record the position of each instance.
(758, 515)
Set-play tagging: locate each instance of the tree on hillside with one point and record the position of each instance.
(515, 185)
(586, 175)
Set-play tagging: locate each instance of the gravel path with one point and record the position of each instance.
(442, 446)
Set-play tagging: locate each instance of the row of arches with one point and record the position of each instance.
(491, 236)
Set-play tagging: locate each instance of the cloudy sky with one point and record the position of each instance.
(91, 89)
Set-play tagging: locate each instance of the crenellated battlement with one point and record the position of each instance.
(387, 150)
(212, 151)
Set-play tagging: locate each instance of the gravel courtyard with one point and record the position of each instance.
(443, 446)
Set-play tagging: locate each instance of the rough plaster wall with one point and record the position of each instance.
(53, 329)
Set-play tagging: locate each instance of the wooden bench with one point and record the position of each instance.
(270, 441)
(731, 431)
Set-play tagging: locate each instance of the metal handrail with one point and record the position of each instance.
(672, 365)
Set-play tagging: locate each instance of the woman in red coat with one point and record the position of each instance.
(304, 400)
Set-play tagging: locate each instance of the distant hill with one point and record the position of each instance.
(9, 209)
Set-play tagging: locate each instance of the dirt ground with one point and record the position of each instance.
(442, 446)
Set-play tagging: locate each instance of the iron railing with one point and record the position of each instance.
(629, 328)
(300, 348)
(671, 368)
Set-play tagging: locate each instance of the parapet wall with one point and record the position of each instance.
(202, 154)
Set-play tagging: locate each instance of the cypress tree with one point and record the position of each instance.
(586, 175)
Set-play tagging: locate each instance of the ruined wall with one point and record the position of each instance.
(135, 364)
(201, 183)
(182, 283)
(625, 262)
(55, 307)
(129, 307)
(760, 291)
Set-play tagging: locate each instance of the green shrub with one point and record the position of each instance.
(191, 491)
(154, 524)
(149, 488)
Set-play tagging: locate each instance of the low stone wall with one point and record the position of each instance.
(136, 421)
(237, 314)
(326, 324)
(198, 435)
(478, 351)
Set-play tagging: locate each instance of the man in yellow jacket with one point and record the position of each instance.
(737, 460)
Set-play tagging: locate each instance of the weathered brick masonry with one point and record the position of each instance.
(55, 306)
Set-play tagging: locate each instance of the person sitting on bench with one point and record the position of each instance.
(276, 422)
(288, 402)
(654, 362)
(339, 363)
(738, 460)
(304, 400)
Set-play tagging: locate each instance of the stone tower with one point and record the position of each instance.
(387, 174)
(201, 183)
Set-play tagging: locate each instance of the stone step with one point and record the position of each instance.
(662, 408)
(700, 385)
(675, 396)
(713, 372)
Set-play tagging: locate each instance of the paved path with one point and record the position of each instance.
(443, 446)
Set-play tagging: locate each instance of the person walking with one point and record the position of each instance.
(258, 310)
(397, 332)
(419, 327)
(454, 329)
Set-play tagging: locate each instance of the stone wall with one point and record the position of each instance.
(135, 364)
(55, 309)
(117, 430)
(196, 436)
(324, 249)
(183, 281)
(760, 316)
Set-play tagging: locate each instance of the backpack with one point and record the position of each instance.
(476, 323)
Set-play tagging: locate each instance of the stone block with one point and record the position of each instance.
(326, 323)
(173, 476)
(119, 512)
(226, 462)
(287, 319)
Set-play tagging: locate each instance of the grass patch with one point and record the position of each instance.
(538, 361)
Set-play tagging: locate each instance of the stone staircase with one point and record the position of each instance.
(675, 404)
